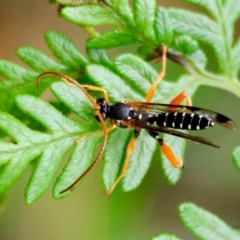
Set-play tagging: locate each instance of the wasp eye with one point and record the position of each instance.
(102, 102)
(103, 109)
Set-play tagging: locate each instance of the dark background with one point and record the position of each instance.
(209, 179)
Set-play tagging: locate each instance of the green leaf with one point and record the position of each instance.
(74, 2)
(139, 74)
(187, 49)
(225, 13)
(12, 71)
(236, 157)
(98, 56)
(204, 224)
(78, 103)
(210, 6)
(117, 89)
(45, 114)
(13, 156)
(185, 45)
(218, 34)
(79, 161)
(144, 16)
(114, 156)
(122, 8)
(235, 58)
(29, 144)
(46, 168)
(91, 15)
(166, 90)
(195, 25)
(110, 39)
(128, 77)
(230, 8)
(64, 50)
(64, 131)
(7, 93)
(7, 147)
(231, 11)
(163, 27)
(43, 63)
(18, 80)
(165, 236)
(139, 162)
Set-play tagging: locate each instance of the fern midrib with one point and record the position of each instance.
(227, 65)
(44, 145)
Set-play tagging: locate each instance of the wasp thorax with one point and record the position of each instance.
(121, 111)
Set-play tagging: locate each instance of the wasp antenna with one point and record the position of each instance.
(124, 167)
(69, 81)
(45, 74)
(97, 157)
(169, 154)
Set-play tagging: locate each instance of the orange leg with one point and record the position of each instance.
(124, 167)
(180, 98)
(166, 150)
(161, 75)
(169, 154)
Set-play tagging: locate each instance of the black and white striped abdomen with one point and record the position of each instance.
(179, 120)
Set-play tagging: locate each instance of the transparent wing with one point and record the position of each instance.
(144, 125)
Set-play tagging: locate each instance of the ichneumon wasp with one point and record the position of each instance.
(155, 118)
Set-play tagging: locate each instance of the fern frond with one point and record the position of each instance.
(204, 224)
(29, 144)
(165, 236)
(128, 77)
(65, 51)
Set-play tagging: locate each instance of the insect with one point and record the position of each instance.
(152, 117)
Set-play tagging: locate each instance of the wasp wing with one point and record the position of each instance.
(143, 125)
(156, 108)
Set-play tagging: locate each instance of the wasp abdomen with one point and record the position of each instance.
(179, 120)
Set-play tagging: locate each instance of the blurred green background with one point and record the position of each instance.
(209, 178)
